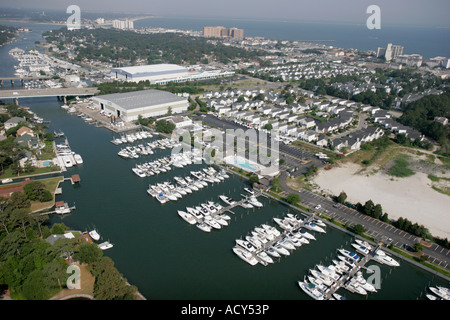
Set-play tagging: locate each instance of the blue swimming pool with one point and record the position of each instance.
(46, 163)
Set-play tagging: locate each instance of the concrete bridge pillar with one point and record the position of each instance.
(1, 83)
(65, 100)
(12, 83)
(16, 101)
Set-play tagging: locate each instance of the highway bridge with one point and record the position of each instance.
(49, 92)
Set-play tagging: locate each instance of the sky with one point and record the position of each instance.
(403, 12)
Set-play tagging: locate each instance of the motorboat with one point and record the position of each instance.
(211, 222)
(246, 245)
(361, 249)
(325, 279)
(245, 255)
(385, 259)
(353, 286)
(307, 235)
(363, 243)
(7, 180)
(284, 242)
(187, 217)
(271, 251)
(311, 290)
(337, 296)
(105, 245)
(203, 226)
(363, 282)
(227, 200)
(246, 205)
(351, 255)
(441, 292)
(284, 224)
(278, 248)
(264, 257)
(78, 159)
(94, 235)
(139, 172)
(314, 227)
(254, 202)
(249, 191)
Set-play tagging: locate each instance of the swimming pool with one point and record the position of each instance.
(46, 163)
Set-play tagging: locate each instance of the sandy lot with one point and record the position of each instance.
(411, 197)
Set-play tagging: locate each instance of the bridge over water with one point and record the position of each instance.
(49, 92)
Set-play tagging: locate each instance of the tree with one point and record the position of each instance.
(342, 197)
(418, 247)
(359, 229)
(368, 207)
(253, 179)
(377, 211)
(87, 252)
(293, 198)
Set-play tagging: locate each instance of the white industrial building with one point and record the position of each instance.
(162, 74)
(147, 103)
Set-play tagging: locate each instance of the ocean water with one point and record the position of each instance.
(427, 41)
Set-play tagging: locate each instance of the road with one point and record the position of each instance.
(377, 229)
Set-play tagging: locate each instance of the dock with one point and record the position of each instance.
(269, 243)
(351, 273)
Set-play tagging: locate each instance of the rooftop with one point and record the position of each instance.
(141, 99)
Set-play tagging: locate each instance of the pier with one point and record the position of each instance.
(351, 273)
(269, 243)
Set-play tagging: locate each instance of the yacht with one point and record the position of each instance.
(212, 222)
(264, 257)
(361, 249)
(249, 191)
(246, 245)
(7, 180)
(105, 245)
(187, 217)
(246, 205)
(337, 296)
(385, 259)
(139, 172)
(271, 251)
(348, 261)
(278, 248)
(441, 292)
(78, 159)
(284, 242)
(323, 278)
(254, 202)
(353, 286)
(245, 255)
(94, 235)
(311, 290)
(227, 200)
(363, 243)
(67, 162)
(363, 282)
(314, 227)
(284, 224)
(203, 226)
(349, 254)
(307, 235)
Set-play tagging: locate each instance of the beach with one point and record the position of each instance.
(411, 197)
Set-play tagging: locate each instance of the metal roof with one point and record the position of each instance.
(141, 99)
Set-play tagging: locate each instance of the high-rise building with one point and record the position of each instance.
(390, 52)
(222, 32)
(123, 24)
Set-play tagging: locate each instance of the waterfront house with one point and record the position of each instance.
(13, 122)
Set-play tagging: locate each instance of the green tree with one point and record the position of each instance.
(359, 229)
(368, 207)
(253, 179)
(87, 252)
(342, 197)
(377, 211)
(293, 198)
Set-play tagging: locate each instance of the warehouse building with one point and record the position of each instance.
(164, 73)
(147, 103)
(152, 73)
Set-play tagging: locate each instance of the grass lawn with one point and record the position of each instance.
(400, 168)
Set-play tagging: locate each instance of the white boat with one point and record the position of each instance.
(246, 205)
(203, 226)
(246, 245)
(105, 245)
(353, 286)
(187, 217)
(78, 159)
(67, 162)
(337, 296)
(314, 227)
(307, 235)
(245, 255)
(349, 254)
(363, 282)
(211, 222)
(385, 259)
(94, 235)
(264, 257)
(441, 292)
(363, 243)
(361, 249)
(139, 172)
(278, 248)
(254, 202)
(311, 290)
(227, 200)
(61, 209)
(272, 252)
(249, 191)
(323, 278)
(348, 261)
(284, 242)
(7, 180)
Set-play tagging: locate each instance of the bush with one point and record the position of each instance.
(293, 198)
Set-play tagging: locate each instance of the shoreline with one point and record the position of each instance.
(411, 197)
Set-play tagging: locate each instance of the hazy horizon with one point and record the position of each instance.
(398, 12)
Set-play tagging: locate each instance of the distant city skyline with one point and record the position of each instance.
(402, 12)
